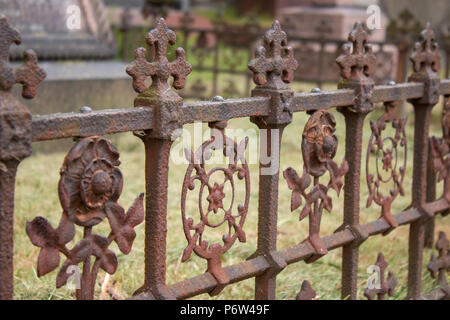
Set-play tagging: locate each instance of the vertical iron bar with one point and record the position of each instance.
(419, 193)
(353, 147)
(268, 66)
(157, 152)
(425, 59)
(265, 284)
(431, 196)
(356, 67)
(167, 118)
(15, 142)
(7, 186)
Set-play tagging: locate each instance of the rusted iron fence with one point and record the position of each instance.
(91, 181)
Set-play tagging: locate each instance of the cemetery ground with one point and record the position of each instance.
(36, 195)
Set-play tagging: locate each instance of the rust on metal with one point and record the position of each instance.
(167, 117)
(101, 122)
(274, 63)
(319, 145)
(29, 74)
(439, 265)
(356, 63)
(15, 141)
(387, 152)
(440, 149)
(425, 59)
(272, 69)
(306, 292)
(159, 69)
(356, 66)
(383, 286)
(426, 56)
(91, 181)
(89, 187)
(233, 219)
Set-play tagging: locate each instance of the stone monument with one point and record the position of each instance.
(75, 45)
(321, 28)
(60, 29)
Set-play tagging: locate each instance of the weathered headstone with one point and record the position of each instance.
(339, 15)
(325, 24)
(60, 29)
(75, 44)
(435, 12)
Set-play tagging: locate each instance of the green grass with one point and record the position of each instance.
(36, 195)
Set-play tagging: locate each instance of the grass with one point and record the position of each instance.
(36, 195)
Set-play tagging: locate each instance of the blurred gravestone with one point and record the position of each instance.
(435, 12)
(75, 46)
(321, 26)
(60, 29)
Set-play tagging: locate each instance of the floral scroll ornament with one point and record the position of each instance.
(319, 145)
(439, 265)
(440, 150)
(386, 151)
(89, 187)
(233, 220)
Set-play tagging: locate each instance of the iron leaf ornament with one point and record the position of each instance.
(319, 146)
(89, 187)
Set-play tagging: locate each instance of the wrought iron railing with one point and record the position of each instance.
(91, 181)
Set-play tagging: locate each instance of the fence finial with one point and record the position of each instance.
(274, 63)
(426, 56)
(306, 292)
(29, 74)
(357, 64)
(385, 286)
(159, 68)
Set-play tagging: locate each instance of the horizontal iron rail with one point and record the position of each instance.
(204, 283)
(65, 125)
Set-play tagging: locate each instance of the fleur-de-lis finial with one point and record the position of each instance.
(356, 64)
(29, 74)
(306, 292)
(426, 56)
(274, 63)
(385, 286)
(159, 68)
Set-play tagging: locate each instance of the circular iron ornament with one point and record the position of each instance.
(386, 151)
(196, 171)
